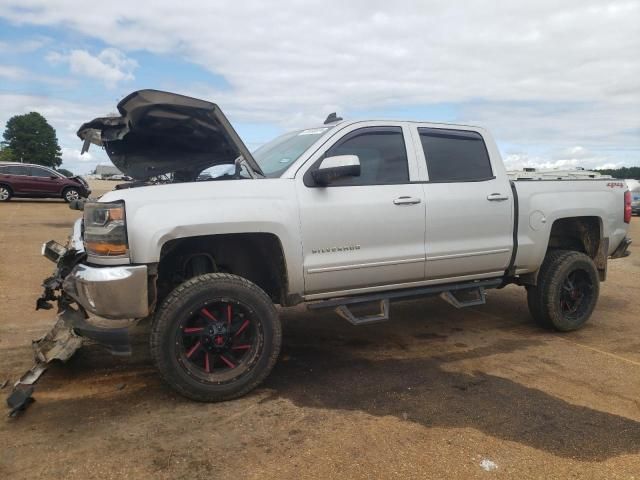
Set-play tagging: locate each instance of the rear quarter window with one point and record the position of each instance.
(14, 170)
(455, 155)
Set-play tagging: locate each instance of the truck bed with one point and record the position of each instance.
(542, 201)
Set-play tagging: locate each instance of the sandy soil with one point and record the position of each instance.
(434, 393)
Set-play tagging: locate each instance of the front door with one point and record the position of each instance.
(368, 230)
(45, 182)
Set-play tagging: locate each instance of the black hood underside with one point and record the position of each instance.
(160, 132)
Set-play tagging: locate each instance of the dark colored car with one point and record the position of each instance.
(36, 181)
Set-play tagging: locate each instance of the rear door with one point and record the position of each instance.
(17, 176)
(469, 204)
(364, 231)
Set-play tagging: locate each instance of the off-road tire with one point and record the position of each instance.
(187, 298)
(545, 299)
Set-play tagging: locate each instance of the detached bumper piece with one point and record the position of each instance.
(623, 249)
(59, 344)
(62, 341)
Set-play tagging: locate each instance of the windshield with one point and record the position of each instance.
(276, 156)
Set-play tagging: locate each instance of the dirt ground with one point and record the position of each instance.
(434, 393)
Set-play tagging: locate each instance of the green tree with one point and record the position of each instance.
(32, 140)
(6, 155)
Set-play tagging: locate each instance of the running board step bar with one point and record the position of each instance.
(348, 315)
(458, 294)
(465, 298)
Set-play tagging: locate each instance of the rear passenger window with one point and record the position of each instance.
(455, 155)
(382, 154)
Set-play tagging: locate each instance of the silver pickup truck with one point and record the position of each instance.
(342, 215)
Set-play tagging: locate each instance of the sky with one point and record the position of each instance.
(556, 82)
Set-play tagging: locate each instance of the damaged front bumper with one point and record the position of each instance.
(115, 295)
(110, 292)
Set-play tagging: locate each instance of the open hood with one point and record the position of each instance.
(161, 132)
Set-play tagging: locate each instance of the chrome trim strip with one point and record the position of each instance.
(364, 265)
(110, 292)
(470, 254)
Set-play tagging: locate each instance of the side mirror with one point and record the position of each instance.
(332, 168)
(53, 177)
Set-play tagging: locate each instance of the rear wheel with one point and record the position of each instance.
(5, 193)
(71, 194)
(567, 291)
(216, 337)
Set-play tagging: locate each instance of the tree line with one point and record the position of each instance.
(622, 172)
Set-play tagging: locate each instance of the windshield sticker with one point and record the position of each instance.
(313, 131)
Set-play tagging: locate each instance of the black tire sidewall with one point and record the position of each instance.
(553, 287)
(192, 295)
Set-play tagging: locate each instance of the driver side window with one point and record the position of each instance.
(382, 154)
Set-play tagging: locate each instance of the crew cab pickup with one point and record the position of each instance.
(341, 214)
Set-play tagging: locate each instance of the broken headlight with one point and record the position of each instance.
(105, 229)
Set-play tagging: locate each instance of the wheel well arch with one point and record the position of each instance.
(6, 185)
(257, 256)
(581, 234)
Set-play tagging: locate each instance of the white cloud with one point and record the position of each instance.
(12, 73)
(73, 155)
(110, 66)
(24, 46)
(608, 166)
(542, 75)
(305, 56)
(568, 158)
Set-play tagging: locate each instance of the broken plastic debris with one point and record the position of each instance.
(60, 343)
(32, 375)
(19, 400)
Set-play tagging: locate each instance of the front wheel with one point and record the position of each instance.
(567, 291)
(216, 337)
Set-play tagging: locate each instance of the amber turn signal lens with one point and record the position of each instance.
(108, 249)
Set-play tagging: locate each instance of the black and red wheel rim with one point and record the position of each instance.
(576, 294)
(218, 342)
